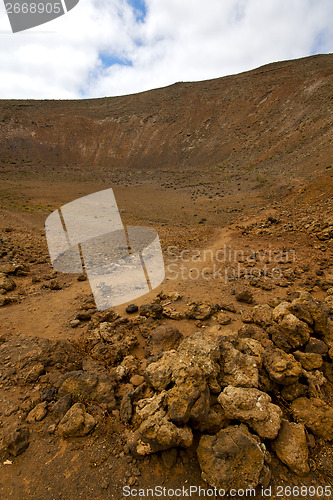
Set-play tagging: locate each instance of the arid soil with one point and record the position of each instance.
(235, 174)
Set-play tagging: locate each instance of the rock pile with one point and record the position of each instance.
(229, 387)
(264, 390)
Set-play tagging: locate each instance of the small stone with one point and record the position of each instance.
(151, 311)
(329, 302)
(174, 296)
(252, 407)
(137, 380)
(163, 338)
(126, 409)
(16, 439)
(223, 319)
(199, 311)
(6, 283)
(281, 367)
(61, 407)
(85, 315)
(11, 410)
(54, 285)
(35, 372)
(82, 277)
(74, 323)
(262, 315)
(38, 413)
(49, 394)
(132, 308)
(245, 296)
(77, 422)
(294, 391)
(246, 317)
(227, 306)
(311, 440)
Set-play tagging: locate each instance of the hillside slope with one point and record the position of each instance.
(271, 118)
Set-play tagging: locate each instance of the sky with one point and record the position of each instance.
(116, 47)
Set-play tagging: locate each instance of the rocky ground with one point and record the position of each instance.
(222, 376)
(231, 391)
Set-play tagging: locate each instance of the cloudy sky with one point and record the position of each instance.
(115, 47)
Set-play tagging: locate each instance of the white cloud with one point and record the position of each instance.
(178, 40)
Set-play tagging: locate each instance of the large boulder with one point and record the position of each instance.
(316, 415)
(252, 407)
(232, 459)
(291, 447)
(281, 367)
(77, 422)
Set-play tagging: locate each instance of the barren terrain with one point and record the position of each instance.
(240, 168)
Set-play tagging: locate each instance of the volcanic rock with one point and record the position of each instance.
(252, 407)
(316, 415)
(77, 422)
(281, 367)
(223, 456)
(199, 310)
(16, 439)
(291, 447)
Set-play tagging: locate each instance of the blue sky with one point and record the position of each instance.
(140, 8)
(116, 47)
